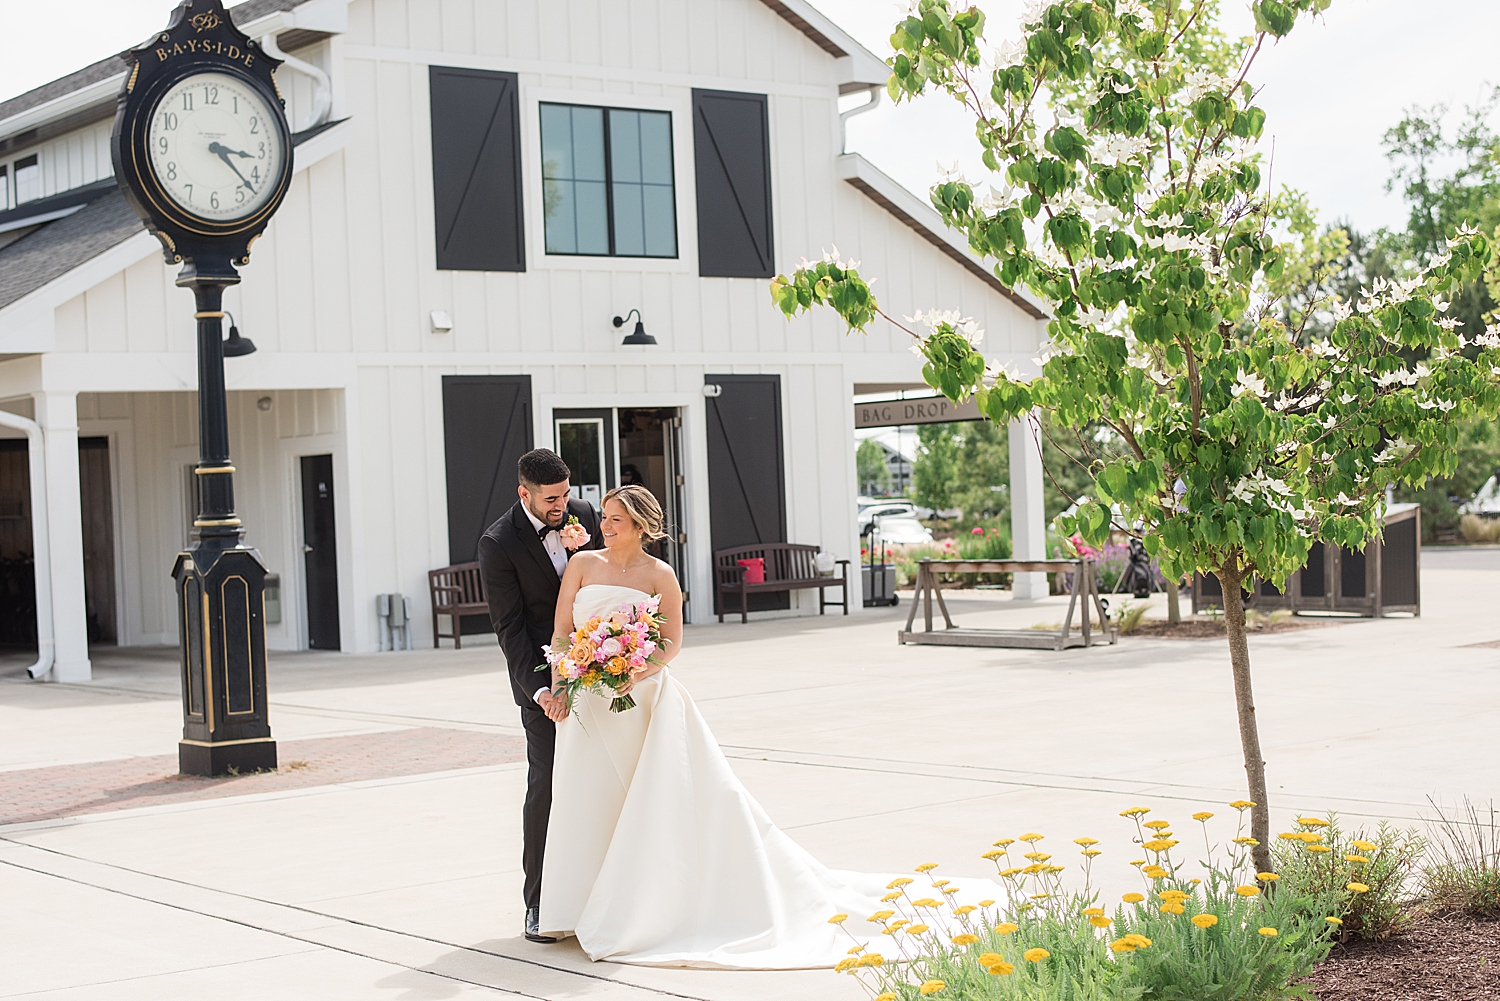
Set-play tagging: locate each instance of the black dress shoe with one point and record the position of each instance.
(533, 931)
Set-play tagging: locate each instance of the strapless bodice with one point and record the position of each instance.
(601, 599)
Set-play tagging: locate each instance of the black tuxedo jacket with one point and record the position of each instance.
(521, 586)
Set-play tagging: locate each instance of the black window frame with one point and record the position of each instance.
(609, 183)
(16, 166)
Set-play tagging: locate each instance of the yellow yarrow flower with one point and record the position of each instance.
(965, 909)
(1156, 872)
(1005, 928)
(1173, 895)
(1133, 898)
(1267, 877)
(1035, 955)
(1205, 920)
(1242, 804)
(873, 959)
(838, 919)
(1120, 945)
(899, 881)
(1159, 845)
(1135, 811)
(1157, 824)
(1269, 932)
(1355, 858)
(1365, 846)
(1312, 822)
(932, 987)
(926, 867)
(1172, 907)
(1037, 856)
(1138, 862)
(939, 884)
(915, 929)
(986, 903)
(1005, 841)
(856, 950)
(1246, 841)
(1092, 912)
(999, 969)
(886, 996)
(965, 939)
(1247, 891)
(1319, 848)
(846, 964)
(1357, 888)
(1101, 922)
(1090, 852)
(1202, 815)
(927, 902)
(880, 916)
(1086, 842)
(1138, 940)
(993, 854)
(950, 889)
(894, 895)
(1032, 837)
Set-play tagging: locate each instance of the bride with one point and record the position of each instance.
(656, 854)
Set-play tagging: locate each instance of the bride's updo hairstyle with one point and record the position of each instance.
(644, 510)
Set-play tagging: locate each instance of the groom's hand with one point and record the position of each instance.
(554, 706)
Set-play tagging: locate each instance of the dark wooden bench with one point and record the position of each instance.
(456, 591)
(789, 567)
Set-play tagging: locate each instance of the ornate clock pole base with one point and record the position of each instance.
(220, 580)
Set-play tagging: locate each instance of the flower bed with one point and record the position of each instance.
(1227, 935)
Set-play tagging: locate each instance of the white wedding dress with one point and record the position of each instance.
(658, 856)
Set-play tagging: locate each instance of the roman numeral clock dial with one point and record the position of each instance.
(214, 147)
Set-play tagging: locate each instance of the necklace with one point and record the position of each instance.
(633, 563)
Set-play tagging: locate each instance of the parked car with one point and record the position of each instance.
(899, 531)
(884, 510)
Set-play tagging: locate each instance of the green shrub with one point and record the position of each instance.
(1182, 938)
(1318, 856)
(1464, 878)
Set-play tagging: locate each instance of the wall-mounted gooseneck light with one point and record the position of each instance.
(236, 346)
(639, 335)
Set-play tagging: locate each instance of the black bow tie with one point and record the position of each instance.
(541, 533)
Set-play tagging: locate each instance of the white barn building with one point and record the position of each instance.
(480, 187)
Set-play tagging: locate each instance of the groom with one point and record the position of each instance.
(522, 557)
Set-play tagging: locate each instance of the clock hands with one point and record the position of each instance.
(224, 153)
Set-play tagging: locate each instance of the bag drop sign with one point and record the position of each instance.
(927, 410)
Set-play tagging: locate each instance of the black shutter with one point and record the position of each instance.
(486, 429)
(476, 170)
(746, 478)
(732, 152)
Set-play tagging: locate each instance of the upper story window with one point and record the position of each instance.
(607, 185)
(28, 175)
(5, 201)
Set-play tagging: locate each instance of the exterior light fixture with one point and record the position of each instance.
(236, 346)
(639, 335)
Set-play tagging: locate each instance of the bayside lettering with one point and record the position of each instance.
(193, 46)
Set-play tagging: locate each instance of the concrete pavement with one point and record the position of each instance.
(874, 757)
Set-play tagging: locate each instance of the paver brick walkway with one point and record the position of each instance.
(33, 794)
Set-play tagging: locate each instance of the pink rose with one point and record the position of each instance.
(573, 535)
(611, 647)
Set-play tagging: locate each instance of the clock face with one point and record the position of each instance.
(216, 149)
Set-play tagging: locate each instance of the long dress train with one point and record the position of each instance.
(657, 855)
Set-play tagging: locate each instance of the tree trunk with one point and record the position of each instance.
(1230, 578)
(1174, 607)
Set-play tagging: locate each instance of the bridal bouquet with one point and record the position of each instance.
(601, 654)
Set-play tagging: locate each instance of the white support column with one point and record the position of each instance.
(1028, 518)
(57, 413)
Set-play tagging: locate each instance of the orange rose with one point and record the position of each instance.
(582, 652)
(618, 665)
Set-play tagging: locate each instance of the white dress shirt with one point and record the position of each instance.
(559, 556)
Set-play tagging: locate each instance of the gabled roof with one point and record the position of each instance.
(860, 68)
(924, 220)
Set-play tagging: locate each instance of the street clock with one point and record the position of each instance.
(201, 147)
(202, 153)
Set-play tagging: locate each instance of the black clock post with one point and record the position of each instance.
(202, 152)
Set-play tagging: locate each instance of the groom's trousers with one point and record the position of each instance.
(541, 740)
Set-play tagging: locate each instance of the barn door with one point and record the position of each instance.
(746, 476)
(486, 429)
(732, 160)
(476, 170)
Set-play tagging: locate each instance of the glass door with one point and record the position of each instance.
(580, 442)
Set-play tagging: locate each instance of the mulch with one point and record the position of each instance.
(32, 794)
(1197, 628)
(1432, 960)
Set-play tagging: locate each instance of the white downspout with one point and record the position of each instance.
(41, 543)
(844, 116)
(322, 102)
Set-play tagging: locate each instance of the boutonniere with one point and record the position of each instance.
(573, 534)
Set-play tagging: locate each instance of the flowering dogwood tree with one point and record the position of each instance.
(1126, 191)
